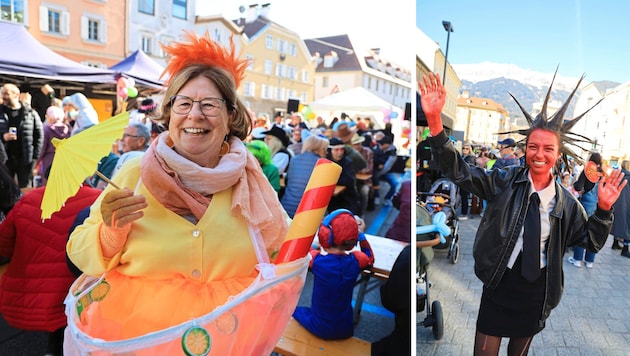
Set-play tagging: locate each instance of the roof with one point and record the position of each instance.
(140, 67)
(33, 59)
(480, 103)
(341, 45)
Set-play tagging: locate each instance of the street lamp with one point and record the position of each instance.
(448, 28)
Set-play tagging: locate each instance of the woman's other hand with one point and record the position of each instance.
(610, 188)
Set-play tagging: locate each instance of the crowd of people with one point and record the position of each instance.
(211, 166)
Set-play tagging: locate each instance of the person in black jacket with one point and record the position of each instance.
(522, 270)
(22, 134)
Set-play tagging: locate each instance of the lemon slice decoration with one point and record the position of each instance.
(226, 323)
(82, 304)
(99, 292)
(196, 341)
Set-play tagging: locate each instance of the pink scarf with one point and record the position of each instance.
(186, 188)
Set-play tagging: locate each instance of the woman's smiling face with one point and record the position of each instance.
(543, 150)
(196, 136)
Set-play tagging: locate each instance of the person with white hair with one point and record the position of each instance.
(55, 127)
(81, 112)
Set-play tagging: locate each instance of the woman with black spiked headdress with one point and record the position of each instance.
(530, 220)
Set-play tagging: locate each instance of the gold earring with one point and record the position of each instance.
(225, 148)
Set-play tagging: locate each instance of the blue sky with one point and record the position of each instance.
(588, 36)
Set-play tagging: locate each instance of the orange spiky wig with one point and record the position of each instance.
(203, 50)
(557, 124)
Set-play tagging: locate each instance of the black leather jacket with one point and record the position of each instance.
(506, 192)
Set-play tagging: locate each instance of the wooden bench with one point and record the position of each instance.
(297, 341)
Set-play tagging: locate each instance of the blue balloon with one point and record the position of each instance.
(393, 115)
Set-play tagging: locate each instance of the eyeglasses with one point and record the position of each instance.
(182, 105)
(128, 135)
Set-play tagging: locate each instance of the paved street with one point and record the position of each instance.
(593, 317)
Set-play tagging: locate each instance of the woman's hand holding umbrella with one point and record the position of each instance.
(119, 208)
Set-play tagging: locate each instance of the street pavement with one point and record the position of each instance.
(593, 317)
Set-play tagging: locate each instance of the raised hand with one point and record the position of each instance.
(610, 188)
(432, 98)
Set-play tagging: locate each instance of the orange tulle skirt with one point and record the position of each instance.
(118, 314)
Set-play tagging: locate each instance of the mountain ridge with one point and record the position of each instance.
(497, 81)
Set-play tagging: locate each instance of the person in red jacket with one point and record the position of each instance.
(37, 279)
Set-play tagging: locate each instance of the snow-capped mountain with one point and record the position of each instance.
(496, 81)
(488, 70)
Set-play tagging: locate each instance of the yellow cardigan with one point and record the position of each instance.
(163, 244)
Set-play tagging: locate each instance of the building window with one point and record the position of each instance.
(93, 29)
(324, 82)
(269, 41)
(268, 66)
(293, 49)
(282, 46)
(249, 88)
(54, 20)
(280, 94)
(250, 61)
(281, 70)
(146, 7)
(305, 76)
(147, 44)
(179, 9)
(266, 91)
(292, 73)
(12, 10)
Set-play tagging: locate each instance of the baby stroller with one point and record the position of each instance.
(444, 197)
(430, 231)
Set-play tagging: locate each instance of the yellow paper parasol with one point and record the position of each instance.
(76, 159)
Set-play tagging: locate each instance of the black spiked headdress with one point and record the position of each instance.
(556, 123)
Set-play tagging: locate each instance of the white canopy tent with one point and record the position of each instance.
(357, 99)
(360, 102)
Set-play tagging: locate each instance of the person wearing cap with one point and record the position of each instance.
(364, 186)
(349, 197)
(384, 159)
(278, 141)
(258, 133)
(345, 132)
(506, 156)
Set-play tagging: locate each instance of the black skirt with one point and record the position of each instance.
(514, 308)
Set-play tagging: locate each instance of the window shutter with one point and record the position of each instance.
(43, 18)
(84, 28)
(65, 23)
(103, 38)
